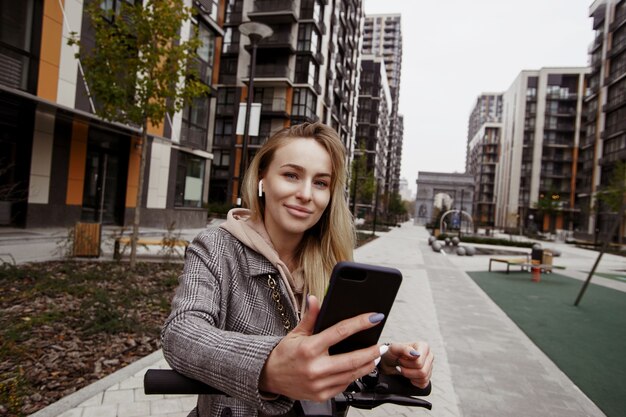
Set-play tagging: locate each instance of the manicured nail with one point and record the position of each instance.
(376, 361)
(383, 349)
(376, 318)
(415, 353)
(399, 369)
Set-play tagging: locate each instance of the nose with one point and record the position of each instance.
(305, 191)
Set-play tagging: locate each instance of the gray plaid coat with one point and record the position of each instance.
(224, 324)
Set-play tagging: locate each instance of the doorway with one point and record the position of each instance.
(104, 191)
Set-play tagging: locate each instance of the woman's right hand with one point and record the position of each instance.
(300, 367)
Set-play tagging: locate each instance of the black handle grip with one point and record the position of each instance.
(168, 381)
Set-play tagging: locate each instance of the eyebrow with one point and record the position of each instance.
(299, 168)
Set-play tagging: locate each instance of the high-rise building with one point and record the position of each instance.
(603, 143)
(542, 119)
(373, 116)
(483, 148)
(382, 37)
(307, 70)
(59, 161)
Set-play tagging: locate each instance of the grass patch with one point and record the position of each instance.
(586, 342)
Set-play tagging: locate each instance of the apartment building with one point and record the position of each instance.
(542, 122)
(60, 163)
(307, 70)
(483, 149)
(382, 37)
(373, 122)
(603, 143)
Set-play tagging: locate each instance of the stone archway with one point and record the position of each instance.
(433, 187)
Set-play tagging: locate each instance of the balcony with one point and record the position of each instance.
(276, 107)
(618, 21)
(280, 40)
(277, 75)
(208, 7)
(193, 136)
(274, 11)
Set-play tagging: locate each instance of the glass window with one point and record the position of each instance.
(231, 40)
(304, 103)
(189, 180)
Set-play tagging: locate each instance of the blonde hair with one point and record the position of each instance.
(333, 237)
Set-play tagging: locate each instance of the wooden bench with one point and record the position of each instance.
(524, 264)
(521, 262)
(147, 241)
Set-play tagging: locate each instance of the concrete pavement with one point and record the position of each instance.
(485, 365)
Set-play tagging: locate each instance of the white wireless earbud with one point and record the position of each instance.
(260, 188)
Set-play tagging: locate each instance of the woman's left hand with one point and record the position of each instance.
(412, 360)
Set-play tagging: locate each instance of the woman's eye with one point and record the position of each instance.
(321, 184)
(290, 175)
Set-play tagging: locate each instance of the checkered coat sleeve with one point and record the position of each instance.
(224, 324)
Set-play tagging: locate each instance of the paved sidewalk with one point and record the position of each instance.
(485, 365)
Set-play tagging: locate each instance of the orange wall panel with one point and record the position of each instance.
(134, 160)
(76, 169)
(50, 56)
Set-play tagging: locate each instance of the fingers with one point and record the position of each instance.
(413, 361)
(346, 328)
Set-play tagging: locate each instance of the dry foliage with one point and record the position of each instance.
(64, 325)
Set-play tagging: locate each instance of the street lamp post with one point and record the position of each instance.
(255, 31)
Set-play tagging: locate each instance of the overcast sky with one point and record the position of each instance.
(455, 50)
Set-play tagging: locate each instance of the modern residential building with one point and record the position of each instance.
(382, 37)
(307, 70)
(603, 143)
(542, 121)
(60, 162)
(373, 119)
(483, 149)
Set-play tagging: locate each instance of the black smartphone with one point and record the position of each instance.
(354, 289)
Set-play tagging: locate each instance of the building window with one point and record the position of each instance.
(113, 8)
(195, 123)
(189, 180)
(225, 101)
(205, 52)
(231, 40)
(304, 103)
(308, 39)
(233, 12)
(307, 70)
(223, 132)
(19, 29)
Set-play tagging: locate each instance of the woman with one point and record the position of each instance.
(243, 315)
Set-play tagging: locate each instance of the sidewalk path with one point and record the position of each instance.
(485, 365)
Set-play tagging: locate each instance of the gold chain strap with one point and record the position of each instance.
(271, 282)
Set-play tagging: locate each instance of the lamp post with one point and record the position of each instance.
(255, 31)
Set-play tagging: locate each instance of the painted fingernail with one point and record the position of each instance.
(376, 361)
(399, 369)
(383, 349)
(415, 353)
(376, 318)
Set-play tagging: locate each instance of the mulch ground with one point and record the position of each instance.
(66, 324)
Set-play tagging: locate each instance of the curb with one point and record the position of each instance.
(73, 400)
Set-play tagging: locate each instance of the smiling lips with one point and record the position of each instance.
(298, 211)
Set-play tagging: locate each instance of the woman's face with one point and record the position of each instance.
(297, 187)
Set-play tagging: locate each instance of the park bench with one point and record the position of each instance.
(147, 241)
(526, 264)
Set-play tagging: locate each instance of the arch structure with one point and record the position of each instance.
(461, 214)
(433, 188)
